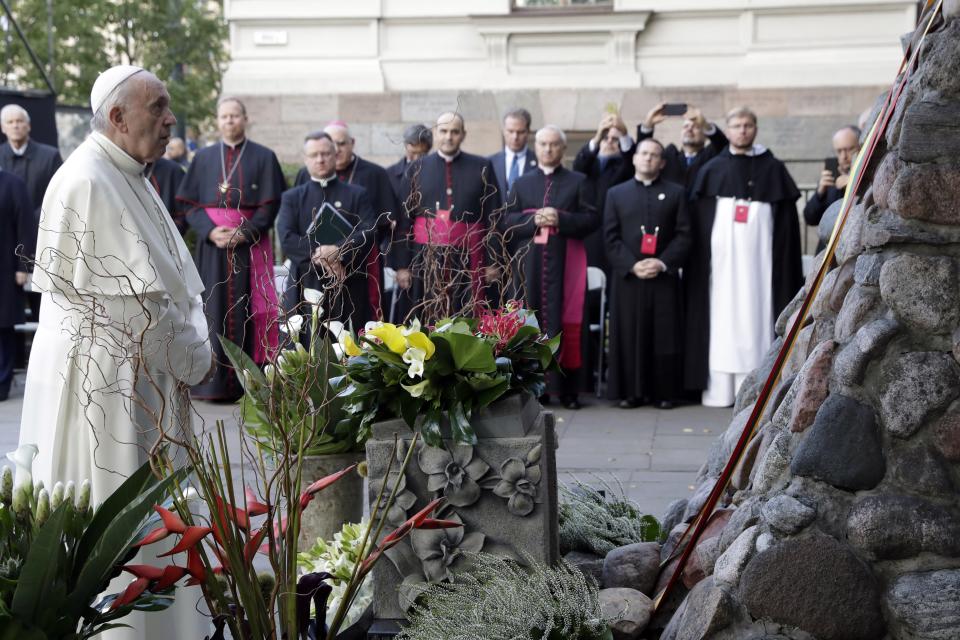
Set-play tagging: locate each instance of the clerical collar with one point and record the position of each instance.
(548, 170)
(123, 160)
(645, 183)
(234, 146)
(446, 157)
(323, 182)
(22, 150)
(755, 150)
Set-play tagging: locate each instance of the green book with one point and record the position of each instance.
(329, 226)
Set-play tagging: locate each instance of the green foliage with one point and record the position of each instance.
(432, 377)
(595, 522)
(52, 573)
(498, 599)
(91, 35)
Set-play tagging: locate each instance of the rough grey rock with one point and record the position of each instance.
(744, 516)
(883, 227)
(709, 609)
(850, 365)
(820, 304)
(861, 305)
(674, 514)
(832, 504)
(842, 447)
(772, 465)
(919, 469)
(627, 611)
(801, 348)
(930, 133)
(633, 566)
(894, 527)
(927, 192)
(781, 417)
(722, 448)
(589, 564)
(764, 541)
(913, 385)
(778, 396)
(730, 565)
(946, 436)
(925, 604)
(850, 243)
(786, 514)
(699, 497)
(753, 383)
(813, 390)
(816, 584)
(828, 221)
(884, 178)
(792, 307)
(922, 291)
(867, 269)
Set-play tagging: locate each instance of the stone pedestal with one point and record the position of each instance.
(339, 503)
(503, 489)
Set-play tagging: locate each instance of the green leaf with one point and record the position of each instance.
(41, 571)
(470, 353)
(242, 362)
(410, 408)
(524, 333)
(431, 427)
(13, 629)
(460, 425)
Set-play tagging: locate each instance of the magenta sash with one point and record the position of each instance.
(264, 306)
(444, 232)
(574, 295)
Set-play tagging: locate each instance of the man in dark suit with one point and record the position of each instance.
(417, 142)
(683, 163)
(32, 162)
(18, 237)
(516, 157)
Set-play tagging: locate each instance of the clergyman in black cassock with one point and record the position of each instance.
(165, 176)
(550, 212)
(302, 222)
(230, 197)
(18, 238)
(745, 263)
(647, 232)
(441, 239)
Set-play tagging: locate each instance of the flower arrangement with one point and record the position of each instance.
(337, 558)
(451, 370)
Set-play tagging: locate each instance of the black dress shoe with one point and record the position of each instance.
(664, 404)
(572, 403)
(627, 404)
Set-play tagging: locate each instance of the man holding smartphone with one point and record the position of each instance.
(835, 175)
(681, 164)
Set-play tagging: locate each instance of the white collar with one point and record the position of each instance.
(645, 183)
(755, 150)
(123, 160)
(446, 157)
(22, 150)
(233, 146)
(548, 170)
(323, 182)
(522, 153)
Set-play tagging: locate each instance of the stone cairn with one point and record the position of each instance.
(842, 521)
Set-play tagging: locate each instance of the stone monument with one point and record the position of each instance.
(842, 522)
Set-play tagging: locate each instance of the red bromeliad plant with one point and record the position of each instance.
(220, 552)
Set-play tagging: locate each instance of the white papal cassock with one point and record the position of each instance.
(122, 325)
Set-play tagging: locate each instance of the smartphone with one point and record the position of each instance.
(674, 109)
(832, 165)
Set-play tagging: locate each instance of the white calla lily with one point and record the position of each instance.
(416, 390)
(414, 357)
(23, 457)
(313, 296)
(413, 328)
(293, 326)
(335, 327)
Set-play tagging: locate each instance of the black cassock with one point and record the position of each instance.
(255, 187)
(466, 188)
(386, 207)
(762, 178)
(166, 176)
(603, 173)
(545, 274)
(680, 169)
(298, 210)
(646, 319)
(18, 237)
(396, 173)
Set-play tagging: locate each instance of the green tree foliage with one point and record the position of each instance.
(184, 42)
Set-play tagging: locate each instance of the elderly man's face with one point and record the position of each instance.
(320, 157)
(344, 143)
(549, 148)
(176, 149)
(515, 133)
(16, 127)
(692, 133)
(416, 151)
(147, 119)
(231, 121)
(450, 133)
(610, 144)
(845, 145)
(742, 131)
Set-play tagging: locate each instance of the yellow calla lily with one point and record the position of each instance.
(349, 346)
(391, 336)
(419, 340)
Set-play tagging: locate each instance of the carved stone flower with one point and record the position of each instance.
(440, 548)
(455, 472)
(518, 484)
(405, 499)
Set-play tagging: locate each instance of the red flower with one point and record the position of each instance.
(254, 506)
(195, 567)
(171, 524)
(144, 571)
(500, 324)
(171, 573)
(252, 545)
(131, 593)
(307, 496)
(190, 538)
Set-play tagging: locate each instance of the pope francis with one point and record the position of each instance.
(122, 332)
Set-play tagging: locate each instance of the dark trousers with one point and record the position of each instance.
(8, 352)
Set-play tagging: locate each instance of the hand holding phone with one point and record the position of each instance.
(674, 109)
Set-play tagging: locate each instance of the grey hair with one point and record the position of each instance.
(14, 108)
(554, 128)
(119, 97)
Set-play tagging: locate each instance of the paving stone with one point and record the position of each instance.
(894, 527)
(924, 604)
(922, 291)
(816, 584)
(842, 447)
(913, 385)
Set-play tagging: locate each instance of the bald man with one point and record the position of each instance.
(846, 146)
(440, 253)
